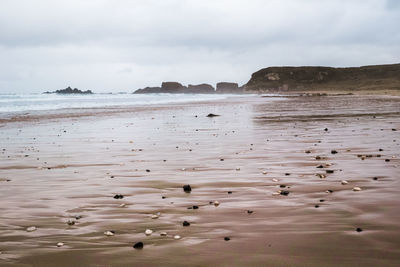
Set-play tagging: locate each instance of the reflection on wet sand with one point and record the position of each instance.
(267, 188)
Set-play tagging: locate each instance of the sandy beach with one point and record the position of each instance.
(295, 177)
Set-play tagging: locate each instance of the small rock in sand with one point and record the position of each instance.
(320, 175)
(109, 233)
(60, 244)
(330, 171)
(154, 216)
(148, 232)
(226, 238)
(216, 203)
(359, 229)
(186, 223)
(344, 182)
(284, 193)
(31, 229)
(187, 188)
(123, 205)
(71, 222)
(118, 196)
(177, 237)
(275, 180)
(212, 115)
(357, 189)
(264, 172)
(237, 168)
(249, 211)
(163, 234)
(138, 245)
(334, 152)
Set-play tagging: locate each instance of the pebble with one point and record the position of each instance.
(320, 166)
(238, 169)
(147, 170)
(148, 232)
(318, 157)
(375, 178)
(183, 169)
(359, 229)
(229, 192)
(264, 172)
(226, 238)
(186, 223)
(31, 229)
(138, 245)
(329, 191)
(212, 115)
(275, 180)
(329, 171)
(163, 234)
(122, 205)
(109, 233)
(71, 222)
(284, 193)
(177, 237)
(320, 175)
(216, 203)
(317, 206)
(118, 196)
(60, 244)
(195, 207)
(249, 211)
(154, 216)
(344, 182)
(357, 189)
(78, 217)
(334, 152)
(187, 188)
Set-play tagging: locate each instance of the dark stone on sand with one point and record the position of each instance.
(226, 238)
(322, 200)
(282, 186)
(78, 217)
(249, 211)
(380, 149)
(375, 178)
(118, 196)
(229, 192)
(195, 207)
(320, 166)
(212, 115)
(329, 171)
(334, 152)
(138, 245)
(187, 188)
(112, 176)
(330, 191)
(326, 129)
(316, 206)
(359, 229)
(287, 174)
(308, 151)
(284, 193)
(394, 129)
(186, 223)
(221, 159)
(317, 157)
(163, 197)
(387, 160)
(147, 170)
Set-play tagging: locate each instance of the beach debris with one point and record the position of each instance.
(177, 237)
(334, 152)
(344, 182)
(329, 191)
(118, 196)
(320, 175)
(138, 245)
(71, 222)
(210, 115)
(275, 180)
(163, 234)
(216, 203)
(329, 171)
(284, 192)
(186, 223)
(357, 189)
(109, 233)
(249, 211)
(60, 244)
(154, 216)
(264, 172)
(318, 157)
(187, 188)
(237, 168)
(227, 238)
(148, 232)
(31, 228)
(122, 205)
(358, 229)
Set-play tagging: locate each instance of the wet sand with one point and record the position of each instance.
(54, 168)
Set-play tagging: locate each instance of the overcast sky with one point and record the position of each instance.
(122, 45)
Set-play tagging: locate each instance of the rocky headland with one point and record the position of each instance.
(204, 88)
(299, 79)
(69, 90)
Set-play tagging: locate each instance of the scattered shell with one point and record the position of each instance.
(154, 216)
(109, 233)
(177, 237)
(148, 232)
(163, 234)
(123, 205)
(275, 180)
(60, 244)
(357, 189)
(344, 182)
(31, 229)
(264, 172)
(216, 203)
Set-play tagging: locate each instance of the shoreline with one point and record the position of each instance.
(57, 169)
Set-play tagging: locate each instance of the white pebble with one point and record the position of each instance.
(31, 229)
(344, 182)
(123, 205)
(276, 193)
(60, 244)
(176, 237)
(357, 189)
(275, 180)
(264, 172)
(154, 216)
(238, 169)
(183, 169)
(108, 233)
(216, 203)
(148, 232)
(163, 234)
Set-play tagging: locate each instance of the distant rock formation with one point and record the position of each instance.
(285, 79)
(172, 87)
(203, 88)
(69, 90)
(228, 88)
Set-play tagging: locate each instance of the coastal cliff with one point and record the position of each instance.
(284, 79)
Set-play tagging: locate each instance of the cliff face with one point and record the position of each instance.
(228, 88)
(325, 78)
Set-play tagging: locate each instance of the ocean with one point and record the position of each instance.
(22, 103)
